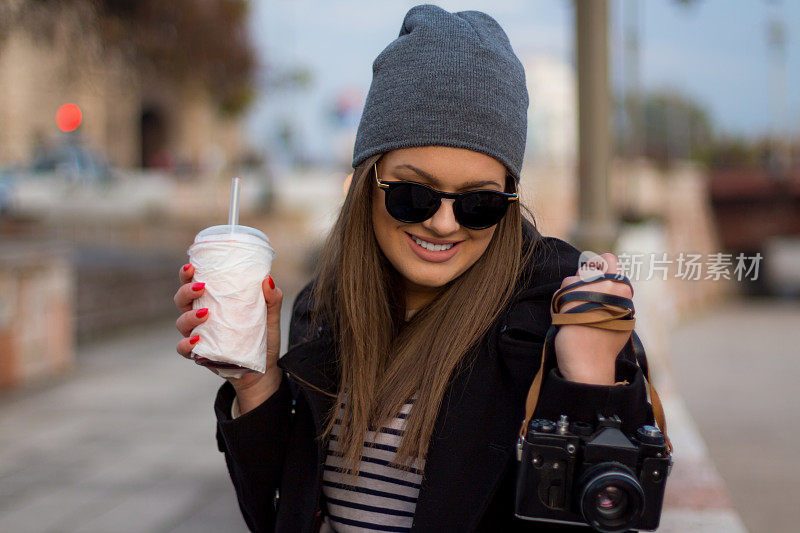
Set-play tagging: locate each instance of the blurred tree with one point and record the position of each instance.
(732, 152)
(760, 154)
(673, 127)
(202, 41)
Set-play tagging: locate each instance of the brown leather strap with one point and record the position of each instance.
(601, 310)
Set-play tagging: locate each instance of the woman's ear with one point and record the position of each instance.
(347, 181)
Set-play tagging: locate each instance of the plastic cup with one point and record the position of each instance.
(232, 261)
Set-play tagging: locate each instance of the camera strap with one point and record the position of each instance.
(599, 310)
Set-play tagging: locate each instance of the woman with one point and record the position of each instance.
(398, 403)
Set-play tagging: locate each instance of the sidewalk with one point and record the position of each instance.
(736, 368)
(127, 444)
(696, 499)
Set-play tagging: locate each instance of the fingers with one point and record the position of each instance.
(183, 299)
(186, 294)
(569, 280)
(273, 296)
(186, 344)
(190, 320)
(186, 272)
(611, 287)
(609, 264)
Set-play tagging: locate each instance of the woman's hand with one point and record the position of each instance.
(586, 354)
(252, 388)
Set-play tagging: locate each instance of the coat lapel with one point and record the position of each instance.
(472, 440)
(313, 365)
(470, 449)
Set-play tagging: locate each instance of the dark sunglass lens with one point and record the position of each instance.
(409, 202)
(481, 209)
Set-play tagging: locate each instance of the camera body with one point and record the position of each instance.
(576, 473)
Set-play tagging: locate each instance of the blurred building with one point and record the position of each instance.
(36, 311)
(552, 113)
(134, 119)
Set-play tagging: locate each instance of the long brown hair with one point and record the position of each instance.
(385, 360)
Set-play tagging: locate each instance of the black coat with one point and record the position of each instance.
(275, 461)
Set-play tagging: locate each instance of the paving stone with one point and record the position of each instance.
(685, 521)
(52, 510)
(736, 368)
(126, 443)
(150, 509)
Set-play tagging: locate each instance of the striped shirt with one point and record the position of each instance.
(383, 498)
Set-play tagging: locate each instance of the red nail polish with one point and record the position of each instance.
(201, 312)
(198, 286)
(186, 267)
(194, 339)
(271, 283)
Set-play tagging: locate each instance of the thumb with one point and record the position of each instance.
(273, 297)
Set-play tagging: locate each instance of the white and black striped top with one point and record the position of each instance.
(383, 498)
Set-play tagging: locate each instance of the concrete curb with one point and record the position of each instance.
(696, 499)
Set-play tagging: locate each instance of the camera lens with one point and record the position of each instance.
(612, 502)
(611, 498)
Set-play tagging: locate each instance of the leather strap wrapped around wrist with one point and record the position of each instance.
(600, 310)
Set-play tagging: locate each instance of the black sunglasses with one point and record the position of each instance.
(413, 202)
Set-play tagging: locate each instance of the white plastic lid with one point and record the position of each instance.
(240, 233)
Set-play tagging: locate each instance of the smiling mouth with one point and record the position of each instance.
(431, 246)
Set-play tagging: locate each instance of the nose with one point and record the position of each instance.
(443, 222)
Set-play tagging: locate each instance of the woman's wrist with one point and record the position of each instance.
(254, 394)
(590, 374)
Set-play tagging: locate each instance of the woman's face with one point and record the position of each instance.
(448, 170)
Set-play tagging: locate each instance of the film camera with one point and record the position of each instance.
(576, 473)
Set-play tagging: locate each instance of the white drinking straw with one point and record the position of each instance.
(233, 207)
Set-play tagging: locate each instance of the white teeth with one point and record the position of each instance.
(432, 247)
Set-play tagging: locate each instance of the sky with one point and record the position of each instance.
(712, 51)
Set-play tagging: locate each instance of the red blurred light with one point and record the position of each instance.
(69, 117)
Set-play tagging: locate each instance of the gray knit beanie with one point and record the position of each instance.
(449, 79)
